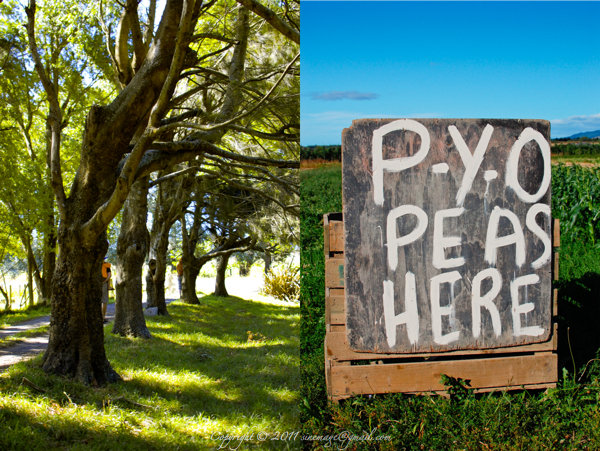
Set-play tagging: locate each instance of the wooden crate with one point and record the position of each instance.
(531, 366)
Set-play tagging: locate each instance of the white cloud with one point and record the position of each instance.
(574, 124)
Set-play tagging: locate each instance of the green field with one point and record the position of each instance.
(565, 418)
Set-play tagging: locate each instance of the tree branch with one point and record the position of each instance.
(139, 49)
(270, 16)
(181, 43)
(196, 147)
(172, 175)
(263, 135)
(150, 30)
(102, 217)
(125, 71)
(113, 61)
(55, 115)
(287, 185)
(175, 125)
(214, 36)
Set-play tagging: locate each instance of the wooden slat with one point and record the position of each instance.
(326, 235)
(336, 236)
(555, 266)
(337, 349)
(418, 377)
(334, 292)
(555, 302)
(328, 374)
(334, 305)
(334, 272)
(556, 241)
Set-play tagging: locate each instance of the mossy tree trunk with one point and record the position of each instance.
(132, 250)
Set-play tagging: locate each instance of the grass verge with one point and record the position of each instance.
(199, 377)
(18, 316)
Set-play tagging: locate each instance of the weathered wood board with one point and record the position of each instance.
(503, 373)
(447, 228)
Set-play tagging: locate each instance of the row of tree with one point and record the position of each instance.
(572, 149)
(329, 153)
(113, 113)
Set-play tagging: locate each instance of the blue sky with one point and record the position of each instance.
(529, 60)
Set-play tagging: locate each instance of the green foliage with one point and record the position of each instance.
(458, 389)
(320, 193)
(576, 202)
(283, 284)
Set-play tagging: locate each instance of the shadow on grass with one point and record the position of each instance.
(199, 374)
(30, 432)
(578, 319)
(238, 373)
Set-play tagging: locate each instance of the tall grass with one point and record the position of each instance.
(565, 418)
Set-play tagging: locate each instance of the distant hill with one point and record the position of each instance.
(594, 134)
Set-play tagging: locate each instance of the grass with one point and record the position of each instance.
(18, 316)
(565, 418)
(199, 377)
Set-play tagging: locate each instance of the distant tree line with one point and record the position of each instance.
(574, 149)
(561, 146)
(329, 153)
(583, 138)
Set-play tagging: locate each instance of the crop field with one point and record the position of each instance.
(565, 418)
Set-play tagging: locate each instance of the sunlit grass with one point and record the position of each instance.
(197, 377)
(15, 317)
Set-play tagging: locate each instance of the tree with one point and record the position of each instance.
(132, 249)
(121, 144)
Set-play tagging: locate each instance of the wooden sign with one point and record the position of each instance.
(447, 227)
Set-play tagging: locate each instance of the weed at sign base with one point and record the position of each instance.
(197, 377)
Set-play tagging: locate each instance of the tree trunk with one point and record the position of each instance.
(132, 249)
(150, 288)
(188, 285)
(267, 262)
(49, 265)
(30, 270)
(159, 278)
(155, 279)
(49, 261)
(76, 343)
(220, 289)
(244, 269)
